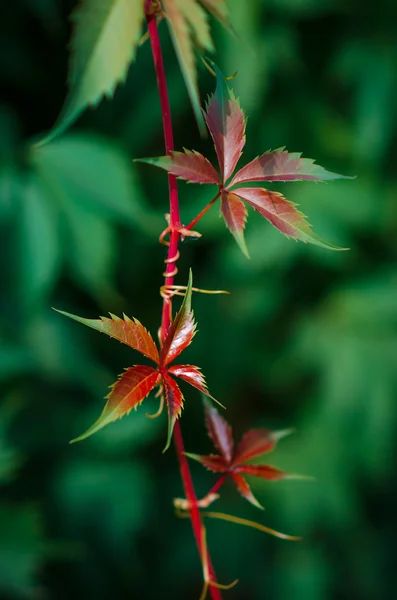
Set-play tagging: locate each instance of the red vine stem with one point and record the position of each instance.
(172, 256)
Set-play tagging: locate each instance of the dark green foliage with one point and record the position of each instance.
(317, 329)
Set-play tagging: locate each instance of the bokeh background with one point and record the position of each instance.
(307, 338)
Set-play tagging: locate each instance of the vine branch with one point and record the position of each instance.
(170, 272)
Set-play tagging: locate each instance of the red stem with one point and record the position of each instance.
(169, 278)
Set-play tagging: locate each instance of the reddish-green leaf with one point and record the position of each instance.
(129, 332)
(182, 329)
(219, 10)
(174, 398)
(197, 19)
(132, 387)
(283, 214)
(245, 489)
(192, 375)
(257, 442)
(234, 212)
(226, 123)
(188, 165)
(281, 165)
(219, 431)
(180, 15)
(213, 462)
(263, 471)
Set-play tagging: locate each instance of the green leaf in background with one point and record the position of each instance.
(92, 252)
(9, 190)
(9, 457)
(38, 245)
(111, 497)
(92, 183)
(105, 38)
(318, 329)
(93, 173)
(22, 549)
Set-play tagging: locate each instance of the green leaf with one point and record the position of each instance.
(95, 174)
(104, 41)
(9, 190)
(93, 490)
(38, 246)
(22, 549)
(91, 251)
(10, 458)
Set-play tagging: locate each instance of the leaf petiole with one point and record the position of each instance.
(202, 213)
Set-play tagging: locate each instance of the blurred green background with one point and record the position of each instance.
(307, 338)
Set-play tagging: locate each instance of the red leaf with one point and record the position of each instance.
(182, 329)
(129, 332)
(281, 165)
(282, 214)
(219, 431)
(188, 165)
(255, 443)
(263, 471)
(226, 123)
(245, 489)
(132, 387)
(213, 462)
(234, 212)
(174, 398)
(192, 375)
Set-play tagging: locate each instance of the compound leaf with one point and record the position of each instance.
(182, 329)
(245, 489)
(219, 432)
(263, 472)
(174, 398)
(280, 165)
(226, 123)
(212, 462)
(105, 37)
(283, 214)
(188, 165)
(127, 331)
(257, 442)
(191, 375)
(234, 212)
(128, 392)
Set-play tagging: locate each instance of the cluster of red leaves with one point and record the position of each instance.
(226, 123)
(230, 461)
(138, 381)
